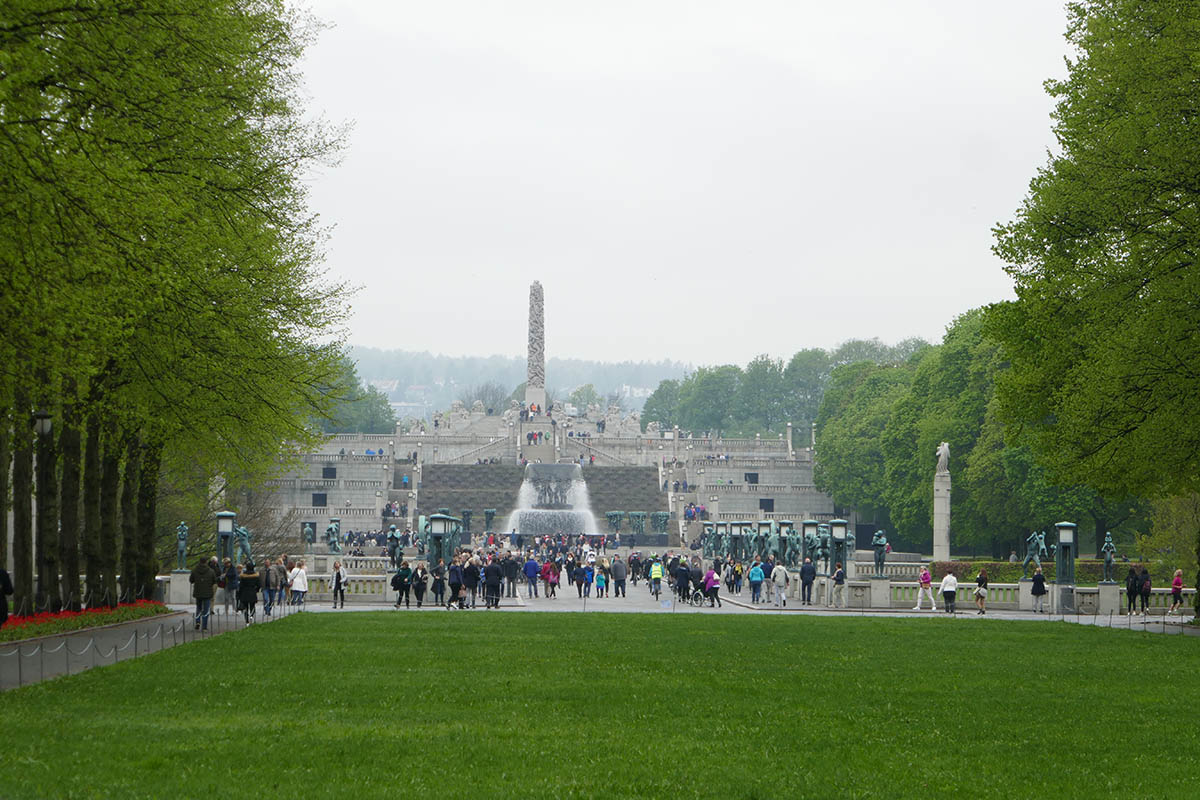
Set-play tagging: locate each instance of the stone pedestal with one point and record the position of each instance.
(941, 516)
(179, 589)
(1110, 598)
(881, 592)
(1025, 594)
(1062, 598)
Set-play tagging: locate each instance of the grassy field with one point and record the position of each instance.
(538, 705)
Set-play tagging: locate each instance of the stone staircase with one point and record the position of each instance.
(624, 489)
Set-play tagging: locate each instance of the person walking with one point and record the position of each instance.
(738, 574)
(781, 579)
(925, 588)
(712, 586)
(531, 571)
(808, 574)
(472, 573)
(1133, 588)
(552, 580)
(512, 572)
(438, 573)
(619, 575)
(601, 583)
(339, 583)
(756, 579)
(839, 587)
(298, 580)
(1145, 589)
(981, 590)
(402, 583)
(1176, 592)
(1039, 590)
(455, 577)
(949, 590)
(204, 582)
(6, 588)
(420, 581)
(267, 578)
(228, 585)
(492, 575)
(589, 577)
(248, 586)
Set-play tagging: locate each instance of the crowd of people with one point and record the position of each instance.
(279, 581)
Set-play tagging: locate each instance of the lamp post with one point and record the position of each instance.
(226, 522)
(1064, 565)
(45, 548)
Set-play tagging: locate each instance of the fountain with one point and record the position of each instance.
(553, 500)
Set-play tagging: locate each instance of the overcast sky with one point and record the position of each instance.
(700, 181)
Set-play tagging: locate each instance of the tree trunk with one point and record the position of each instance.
(110, 483)
(129, 480)
(48, 595)
(68, 543)
(5, 460)
(147, 520)
(93, 558)
(22, 487)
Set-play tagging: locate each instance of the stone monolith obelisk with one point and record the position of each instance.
(941, 505)
(535, 375)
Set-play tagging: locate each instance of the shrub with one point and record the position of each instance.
(47, 623)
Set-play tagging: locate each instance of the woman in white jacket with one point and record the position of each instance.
(298, 579)
(949, 589)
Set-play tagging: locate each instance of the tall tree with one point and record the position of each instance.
(662, 406)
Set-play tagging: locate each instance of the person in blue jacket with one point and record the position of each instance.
(531, 570)
(756, 580)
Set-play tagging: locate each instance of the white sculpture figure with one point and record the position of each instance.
(943, 457)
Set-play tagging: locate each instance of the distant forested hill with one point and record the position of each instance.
(439, 380)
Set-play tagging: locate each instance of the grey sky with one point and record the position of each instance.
(701, 181)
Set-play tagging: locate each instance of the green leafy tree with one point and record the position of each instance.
(761, 395)
(585, 395)
(662, 406)
(805, 378)
(706, 398)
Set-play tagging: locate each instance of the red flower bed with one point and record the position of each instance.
(46, 623)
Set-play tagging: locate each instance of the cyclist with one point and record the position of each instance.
(656, 576)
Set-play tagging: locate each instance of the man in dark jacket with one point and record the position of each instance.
(619, 575)
(491, 584)
(511, 570)
(204, 581)
(683, 580)
(808, 574)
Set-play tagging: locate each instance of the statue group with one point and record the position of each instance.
(333, 538)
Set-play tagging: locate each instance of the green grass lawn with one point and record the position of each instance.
(613, 705)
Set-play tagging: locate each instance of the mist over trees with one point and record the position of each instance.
(766, 394)
(438, 380)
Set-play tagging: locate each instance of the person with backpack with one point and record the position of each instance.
(420, 580)
(402, 582)
(1145, 592)
(781, 579)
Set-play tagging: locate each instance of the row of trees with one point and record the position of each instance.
(163, 308)
(879, 426)
(766, 394)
